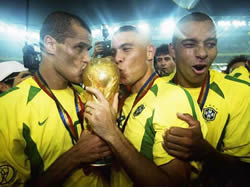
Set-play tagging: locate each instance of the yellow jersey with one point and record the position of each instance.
(241, 73)
(150, 118)
(226, 112)
(33, 136)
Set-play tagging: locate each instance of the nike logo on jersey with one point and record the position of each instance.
(42, 123)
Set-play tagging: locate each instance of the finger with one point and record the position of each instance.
(181, 141)
(100, 142)
(115, 102)
(179, 131)
(99, 47)
(99, 96)
(175, 153)
(104, 148)
(178, 154)
(98, 42)
(164, 136)
(89, 110)
(100, 155)
(88, 116)
(188, 118)
(164, 146)
(92, 107)
(169, 145)
(92, 104)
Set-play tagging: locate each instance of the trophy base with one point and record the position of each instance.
(102, 162)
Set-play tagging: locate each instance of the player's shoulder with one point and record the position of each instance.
(166, 87)
(229, 85)
(227, 80)
(20, 92)
(167, 91)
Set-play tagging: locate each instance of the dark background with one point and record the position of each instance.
(232, 41)
(107, 11)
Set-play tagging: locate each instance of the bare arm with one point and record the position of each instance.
(88, 149)
(142, 171)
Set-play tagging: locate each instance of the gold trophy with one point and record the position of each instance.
(103, 74)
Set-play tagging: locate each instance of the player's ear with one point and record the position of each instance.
(150, 52)
(49, 44)
(171, 50)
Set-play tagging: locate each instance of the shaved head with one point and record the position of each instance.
(193, 17)
(144, 37)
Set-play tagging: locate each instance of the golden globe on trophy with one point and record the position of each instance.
(103, 74)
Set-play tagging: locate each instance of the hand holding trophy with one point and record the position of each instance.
(103, 74)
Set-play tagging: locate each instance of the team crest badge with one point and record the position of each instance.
(7, 174)
(209, 113)
(139, 110)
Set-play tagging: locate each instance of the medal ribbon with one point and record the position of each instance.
(142, 92)
(66, 119)
(204, 92)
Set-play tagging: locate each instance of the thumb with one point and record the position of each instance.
(188, 118)
(115, 103)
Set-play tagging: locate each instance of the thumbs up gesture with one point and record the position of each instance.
(185, 143)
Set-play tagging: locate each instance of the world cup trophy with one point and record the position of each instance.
(103, 74)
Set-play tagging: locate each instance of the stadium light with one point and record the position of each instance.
(167, 26)
(2, 27)
(143, 27)
(224, 23)
(34, 36)
(96, 33)
(238, 23)
(235, 23)
(112, 30)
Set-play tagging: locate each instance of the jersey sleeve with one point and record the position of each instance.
(237, 132)
(178, 101)
(15, 166)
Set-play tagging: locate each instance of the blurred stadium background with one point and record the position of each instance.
(158, 17)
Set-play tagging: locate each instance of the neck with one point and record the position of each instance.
(180, 80)
(54, 80)
(137, 86)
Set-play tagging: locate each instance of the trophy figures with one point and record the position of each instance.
(103, 74)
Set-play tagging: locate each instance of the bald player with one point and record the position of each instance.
(146, 113)
(224, 103)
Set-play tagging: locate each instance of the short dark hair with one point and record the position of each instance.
(58, 24)
(194, 16)
(235, 60)
(161, 50)
(127, 28)
(145, 36)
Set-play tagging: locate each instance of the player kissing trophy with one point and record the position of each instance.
(103, 74)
